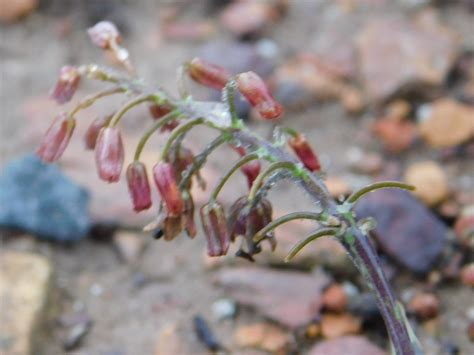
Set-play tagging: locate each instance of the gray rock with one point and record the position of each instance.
(406, 230)
(39, 199)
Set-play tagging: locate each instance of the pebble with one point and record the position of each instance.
(398, 110)
(337, 186)
(424, 305)
(224, 308)
(38, 198)
(396, 136)
(352, 100)
(12, 11)
(464, 227)
(263, 336)
(430, 181)
(353, 345)
(448, 123)
(129, 245)
(406, 230)
(335, 298)
(337, 325)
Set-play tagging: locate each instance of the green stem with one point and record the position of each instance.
(297, 248)
(376, 186)
(260, 235)
(242, 161)
(230, 99)
(290, 131)
(144, 139)
(128, 106)
(178, 132)
(259, 180)
(89, 100)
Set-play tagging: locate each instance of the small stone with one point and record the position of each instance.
(464, 227)
(364, 305)
(224, 309)
(398, 110)
(337, 325)
(337, 186)
(37, 198)
(448, 123)
(352, 100)
(396, 136)
(76, 334)
(313, 330)
(397, 55)
(174, 339)
(129, 245)
(406, 230)
(424, 305)
(25, 285)
(263, 336)
(335, 298)
(290, 298)
(467, 275)
(429, 179)
(250, 18)
(11, 11)
(353, 345)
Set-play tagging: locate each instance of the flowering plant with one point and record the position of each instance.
(263, 163)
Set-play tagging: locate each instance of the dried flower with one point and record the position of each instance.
(305, 153)
(240, 217)
(104, 34)
(215, 227)
(109, 154)
(67, 84)
(165, 180)
(188, 214)
(207, 74)
(56, 138)
(257, 94)
(90, 138)
(138, 186)
(181, 157)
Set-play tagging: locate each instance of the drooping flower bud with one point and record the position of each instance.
(104, 34)
(90, 138)
(109, 154)
(159, 111)
(188, 214)
(181, 157)
(251, 169)
(207, 74)
(305, 153)
(172, 226)
(138, 186)
(67, 84)
(258, 95)
(56, 138)
(215, 227)
(165, 179)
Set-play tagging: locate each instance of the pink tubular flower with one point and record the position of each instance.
(158, 112)
(67, 84)
(251, 169)
(257, 94)
(207, 74)
(92, 132)
(138, 186)
(215, 227)
(165, 180)
(109, 154)
(103, 34)
(305, 153)
(56, 138)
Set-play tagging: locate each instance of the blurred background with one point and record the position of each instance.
(382, 89)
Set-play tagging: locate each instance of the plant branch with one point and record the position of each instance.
(297, 248)
(376, 186)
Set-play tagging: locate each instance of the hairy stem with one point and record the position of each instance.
(366, 260)
(128, 106)
(298, 247)
(376, 186)
(178, 131)
(90, 100)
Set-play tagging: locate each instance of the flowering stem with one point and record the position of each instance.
(260, 235)
(229, 97)
(259, 180)
(297, 248)
(178, 132)
(242, 161)
(366, 260)
(128, 106)
(89, 100)
(376, 186)
(144, 139)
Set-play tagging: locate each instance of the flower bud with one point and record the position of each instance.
(109, 154)
(92, 132)
(138, 186)
(165, 180)
(181, 157)
(257, 94)
(103, 34)
(207, 74)
(172, 226)
(159, 111)
(67, 84)
(305, 153)
(56, 138)
(215, 227)
(251, 169)
(188, 214)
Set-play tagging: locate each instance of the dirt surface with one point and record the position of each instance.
(170, 282)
